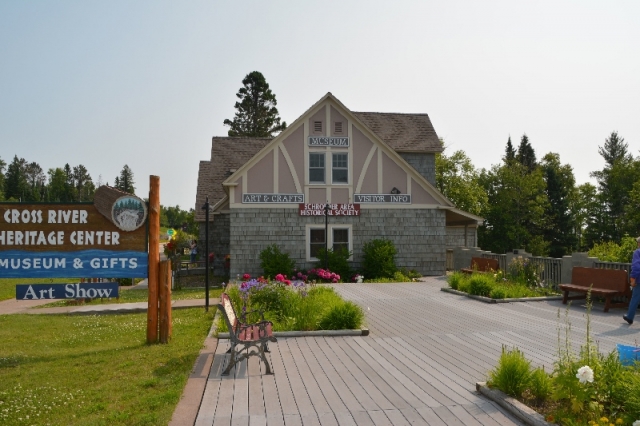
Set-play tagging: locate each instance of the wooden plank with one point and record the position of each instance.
(256, 398)
(302, 399)
(355, 390)
(430, 416)
(447, 416)
(285, 395)
(503, 418)
(316, 396)
(410, 375)
(362, 418)
(476, 413)
(330, 392)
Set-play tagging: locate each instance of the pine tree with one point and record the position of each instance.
(510, 153)
(615, 181)
(2, 166)
(16, 185)
(560, 222)
(526, 155)
(256, 115)
(125, 182)
(83, 184)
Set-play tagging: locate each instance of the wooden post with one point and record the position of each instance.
(154, 258)
(164, 284)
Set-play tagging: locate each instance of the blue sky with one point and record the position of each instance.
(148, 83)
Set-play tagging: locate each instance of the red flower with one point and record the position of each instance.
(246, 277)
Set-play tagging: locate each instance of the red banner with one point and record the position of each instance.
(333, 210)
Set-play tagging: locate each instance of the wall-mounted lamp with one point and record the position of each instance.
(395, 190)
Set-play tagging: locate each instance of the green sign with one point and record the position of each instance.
(170, 232)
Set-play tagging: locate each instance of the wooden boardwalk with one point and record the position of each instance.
(419, 365)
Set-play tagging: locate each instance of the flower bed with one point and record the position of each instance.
(520, 280)
(293, 305)
(587, 388)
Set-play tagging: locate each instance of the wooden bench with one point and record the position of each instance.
(481, 264)
(246, 335)
(607, 283)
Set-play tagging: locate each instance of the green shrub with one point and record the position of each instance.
(609, 251)
(541, 385)
(524, 271)
(345, 316)
(498, 293)
(512, 375)
(274, 262)
(463, 285)
(455, 279)
(379, 259)
(480, 285)
(337, 261)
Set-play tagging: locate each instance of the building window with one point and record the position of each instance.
(316, 242)
(340, 168)
(316, 167)
(339, 238)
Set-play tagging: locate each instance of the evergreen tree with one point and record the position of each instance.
(615, 181)
(514, 216)
(510, 153)
(125, 182)
(16, 185)
(560, 185)
(2, 166)
(36, 180)
(256, 113)
(526, 155)
(84, 187)
(56, 187)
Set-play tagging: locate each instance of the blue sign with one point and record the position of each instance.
(66, 291)
(76, 264)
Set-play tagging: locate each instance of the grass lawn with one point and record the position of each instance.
(94, 370)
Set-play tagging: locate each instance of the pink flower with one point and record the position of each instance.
(335, 280)
(280, 277)
(287, 282)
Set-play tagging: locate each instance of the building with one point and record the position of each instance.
(375, 170)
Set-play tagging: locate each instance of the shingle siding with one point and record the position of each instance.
(419, 236)
(425, 164)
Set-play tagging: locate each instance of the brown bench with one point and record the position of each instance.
(607, 283)
(481, 264)
(246, 335)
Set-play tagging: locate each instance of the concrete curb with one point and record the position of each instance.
(188, 407)
(512, 405)
(317, 333)
(490, 300)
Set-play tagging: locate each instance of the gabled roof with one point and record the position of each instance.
(403, 132)
(400, 132)
(227, 155)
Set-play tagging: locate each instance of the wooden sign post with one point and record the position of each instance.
(154, 258)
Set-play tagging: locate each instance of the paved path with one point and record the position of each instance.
(419, 365)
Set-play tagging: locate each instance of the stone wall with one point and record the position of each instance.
(455, 237)
(419, 236)
(425, 164)
(218, 240)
